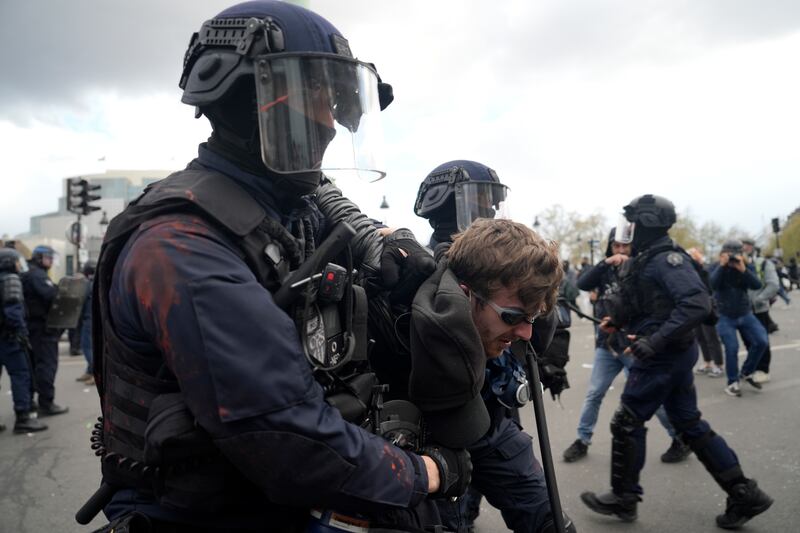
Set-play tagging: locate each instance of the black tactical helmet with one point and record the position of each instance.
(281, 82)
(10, 260)
(650, 211)
(475, 184)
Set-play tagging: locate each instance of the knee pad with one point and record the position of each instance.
(624, 422)
(550, 527)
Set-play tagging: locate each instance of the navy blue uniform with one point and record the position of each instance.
(40, 292)
(666, 377)
(504, 470)
(182, 295)
(12, 357)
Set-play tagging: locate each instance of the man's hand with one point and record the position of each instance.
(741, 264)
(405, 264)
(606, 326)
(641, 348)
(453, 469)
(616, 259)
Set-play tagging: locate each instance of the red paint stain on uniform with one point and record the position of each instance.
(157, 279)
(397, 463)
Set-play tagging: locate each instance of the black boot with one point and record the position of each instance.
(26, 424)
(623, 506)
(676, 453)
(745, 501)
(51, 409)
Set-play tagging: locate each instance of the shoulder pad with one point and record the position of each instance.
(675, 259)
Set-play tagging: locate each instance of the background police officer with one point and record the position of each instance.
(13, 341)
(662, 299)
(505, 470)
(213, 418)
(40, 292)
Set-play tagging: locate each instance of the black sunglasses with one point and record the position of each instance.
(512, 316)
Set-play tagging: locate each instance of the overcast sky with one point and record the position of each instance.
(583, 103)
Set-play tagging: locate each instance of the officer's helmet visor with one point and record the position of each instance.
(319, 112)
(480, 199)
(625, 231)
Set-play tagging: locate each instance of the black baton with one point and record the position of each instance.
(544, 439)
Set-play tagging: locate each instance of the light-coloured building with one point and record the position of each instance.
(118, 188)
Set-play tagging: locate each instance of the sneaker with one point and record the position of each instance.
(676, 453)
(700, 370)
(733, 389)
(716, 372)
(83, 377)
(89, 382)
(759, 376)
(752, 382)
(745, 501)
(575, 451)
(622, 506)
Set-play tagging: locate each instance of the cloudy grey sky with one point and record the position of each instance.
(583, 103)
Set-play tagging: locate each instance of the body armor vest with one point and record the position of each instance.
(10, 293)
(148, 439)
(636, 297)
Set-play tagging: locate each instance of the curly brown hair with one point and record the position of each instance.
(494, 252)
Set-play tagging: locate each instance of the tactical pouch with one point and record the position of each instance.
(171, 436)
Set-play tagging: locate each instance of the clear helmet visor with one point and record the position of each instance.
(625, 230)
(319, 113)
(480, 199)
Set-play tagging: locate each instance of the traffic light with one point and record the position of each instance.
(79, 196)
(776, 228)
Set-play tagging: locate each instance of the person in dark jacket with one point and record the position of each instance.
(40, 292)
(609, 356)
(215, 375)
(451, 197)
(730, 280)
(14, 340)
(660, 302)
(85, 324)
(495, 279)
(707, 336)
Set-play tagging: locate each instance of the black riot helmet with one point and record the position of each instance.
(11, 261)
(281, 88)
(650, 211)
(645, 219)
(458, 192)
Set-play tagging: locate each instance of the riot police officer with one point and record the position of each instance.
(505, 470)
(660, 302)
(213, 381)
(40, 292)
(14, 340)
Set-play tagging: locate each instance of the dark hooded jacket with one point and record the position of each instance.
(448, 361)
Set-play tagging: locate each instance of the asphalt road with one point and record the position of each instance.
(45, 477)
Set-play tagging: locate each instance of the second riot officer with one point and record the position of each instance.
(661, 300)
(40, 292)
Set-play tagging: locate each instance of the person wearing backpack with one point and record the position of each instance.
(762, 299)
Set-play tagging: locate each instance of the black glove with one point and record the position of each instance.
(455, 470)
(405, 264)
(553, 379)
(642, 349)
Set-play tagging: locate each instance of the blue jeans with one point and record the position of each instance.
(756, 336)
(86, 343)
(606, 367)
(16, 363)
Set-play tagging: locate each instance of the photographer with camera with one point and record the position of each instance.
(730, 281)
